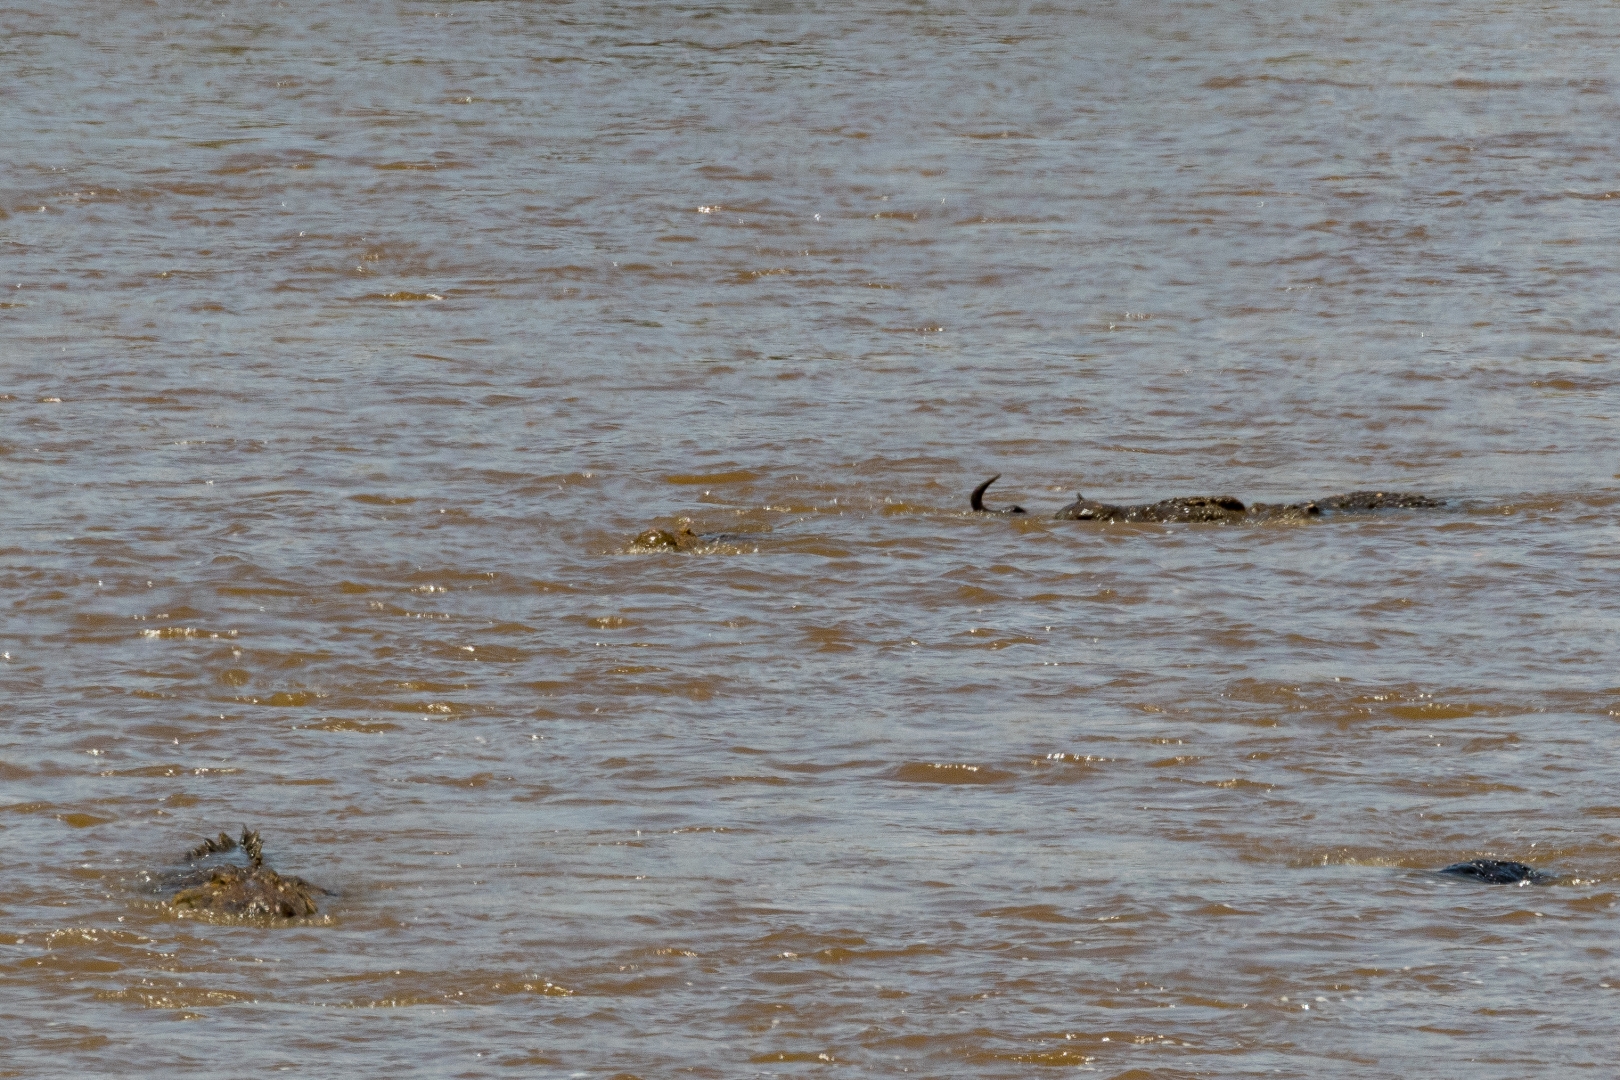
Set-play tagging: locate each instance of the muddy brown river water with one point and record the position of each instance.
(345, 350)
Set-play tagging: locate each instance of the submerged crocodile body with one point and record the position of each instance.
(251, 890)
(684, 539)
(1218, 509)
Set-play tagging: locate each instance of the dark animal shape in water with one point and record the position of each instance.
(1218, 509)
(1379, 500)
(683, 539)
(1498, 872)
(251, 890)
(977, 499)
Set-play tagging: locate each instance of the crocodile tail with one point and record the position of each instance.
(209, 847)
(253, 846)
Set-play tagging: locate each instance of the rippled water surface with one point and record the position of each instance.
(347, 349)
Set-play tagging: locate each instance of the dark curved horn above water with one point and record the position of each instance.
(977, 499)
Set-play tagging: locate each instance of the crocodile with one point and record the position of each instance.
(682, 539)
(1217, 509)
(1499, 872)
(251, 890)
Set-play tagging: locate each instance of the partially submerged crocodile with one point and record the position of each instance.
(249, 890)
(1219, 509)
(682, 539)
